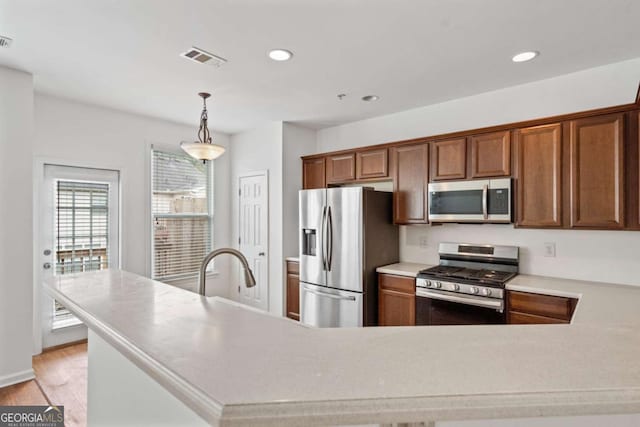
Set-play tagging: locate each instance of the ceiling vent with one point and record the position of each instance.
(198, 55)
(5, 41)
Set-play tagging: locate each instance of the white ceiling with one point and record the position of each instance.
(124, 54)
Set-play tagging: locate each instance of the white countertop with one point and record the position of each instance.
(292, 258)
(237, 366)
(409, 269)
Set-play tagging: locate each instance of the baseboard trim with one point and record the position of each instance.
(18, 377)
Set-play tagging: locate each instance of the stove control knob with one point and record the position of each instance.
(455, 287)
(474, 290)
(428, 283)
(438, 285)
(486, 292)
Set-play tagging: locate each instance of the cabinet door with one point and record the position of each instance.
(396, 300)
(293, 290)
(313, 173)
(539, 176)
(449, 159)
(491, 155)
(293, 296)
(341, 168)
(410, 181)
(372, 164)
(396, 308)
(597, 172)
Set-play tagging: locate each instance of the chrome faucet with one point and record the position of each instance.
(248, 274)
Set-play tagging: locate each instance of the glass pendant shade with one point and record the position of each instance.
(203, 149)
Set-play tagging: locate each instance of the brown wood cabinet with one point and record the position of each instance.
(449, 159)
(341, 168)
(410, 182)
(538, 152)
(490, 155)
(313, 173)
(597, 172)
(293, 290)
(529, 308)
(372, 164)
(396, 300)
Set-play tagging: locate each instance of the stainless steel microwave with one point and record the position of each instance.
(487, 200)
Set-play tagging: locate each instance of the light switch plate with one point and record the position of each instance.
(423, 241)
(549, 249)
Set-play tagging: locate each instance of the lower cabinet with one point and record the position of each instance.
(293, 290)
(396, 300)
(529, 308)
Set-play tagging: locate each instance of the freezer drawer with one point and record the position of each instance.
(329, 308)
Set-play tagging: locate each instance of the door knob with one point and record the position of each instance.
(47, 265)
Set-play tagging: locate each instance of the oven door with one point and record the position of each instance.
(470, 201)
(446, 308)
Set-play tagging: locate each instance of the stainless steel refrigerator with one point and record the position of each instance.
(345, 234)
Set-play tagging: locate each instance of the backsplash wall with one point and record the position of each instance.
(602, 256)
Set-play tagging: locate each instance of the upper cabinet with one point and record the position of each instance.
(597, 172)
(313, 173)
(538, 152)
(341, 168)
(449, 159)
(490, 155)
(372, 164)
(410, 165)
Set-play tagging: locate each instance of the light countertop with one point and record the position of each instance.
(409, 269)
(292, 258)
(237, 366)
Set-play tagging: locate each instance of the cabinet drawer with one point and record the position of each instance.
(541, 305)
(293, 267)
(397, 283)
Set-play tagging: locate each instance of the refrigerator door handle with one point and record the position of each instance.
(328, 295)
(330, 239)
(323, 238)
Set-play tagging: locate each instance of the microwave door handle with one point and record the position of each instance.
(485, 195)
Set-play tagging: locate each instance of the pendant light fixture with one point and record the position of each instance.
(203, 149)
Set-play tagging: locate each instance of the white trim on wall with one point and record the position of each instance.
(18, 377)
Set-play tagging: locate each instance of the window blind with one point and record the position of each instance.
(81, 229)
(182, 220)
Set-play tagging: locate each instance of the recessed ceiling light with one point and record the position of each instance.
(370, 98)
(525, 56)
(280, 55)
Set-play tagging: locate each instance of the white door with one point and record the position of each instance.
(78, 232)
(254, 237)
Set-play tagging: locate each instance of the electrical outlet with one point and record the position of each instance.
(422, 240)
(550, 249)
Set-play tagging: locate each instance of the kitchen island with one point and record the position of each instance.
(231, 365)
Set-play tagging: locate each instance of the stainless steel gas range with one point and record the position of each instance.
(467, 287)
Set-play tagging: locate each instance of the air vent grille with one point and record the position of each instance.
(5, 41)
(203, 57)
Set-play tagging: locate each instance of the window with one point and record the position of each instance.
(182, 216)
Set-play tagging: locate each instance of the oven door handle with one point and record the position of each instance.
(497, 305)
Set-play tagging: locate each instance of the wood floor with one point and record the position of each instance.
(61, 379)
